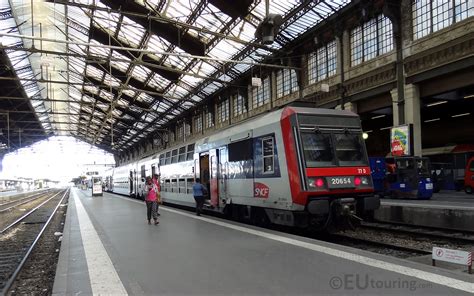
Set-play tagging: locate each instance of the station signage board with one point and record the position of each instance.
(401, 140)
(452, 256)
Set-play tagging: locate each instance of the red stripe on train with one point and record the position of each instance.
(291, 156)
(338, 171)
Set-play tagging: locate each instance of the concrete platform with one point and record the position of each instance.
(448, 210)
(108, 248)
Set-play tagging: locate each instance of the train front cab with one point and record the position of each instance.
(328, 166)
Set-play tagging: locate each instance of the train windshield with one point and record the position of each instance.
(331, 149)
(318, 149)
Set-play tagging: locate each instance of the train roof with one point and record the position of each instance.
(240, 130)
(321, 111)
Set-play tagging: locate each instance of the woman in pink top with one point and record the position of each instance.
(151, 201)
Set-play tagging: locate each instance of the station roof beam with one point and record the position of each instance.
(168, 31)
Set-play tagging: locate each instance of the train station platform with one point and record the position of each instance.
(108, 248)
(447, 210)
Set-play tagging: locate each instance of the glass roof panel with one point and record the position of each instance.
(141, 73)
(158, 82)
(180, 62)
(130, 32)
(181, 9)
(93, 61)
(106, 20)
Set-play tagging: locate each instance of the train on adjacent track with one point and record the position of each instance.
(295, 166)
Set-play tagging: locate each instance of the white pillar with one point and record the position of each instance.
(412, 107)
(413, 116)
(394, 94)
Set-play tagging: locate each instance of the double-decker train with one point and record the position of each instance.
(295, 166)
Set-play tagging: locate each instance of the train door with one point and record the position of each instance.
(131, 182)
(222, 175)
(214, 176)
(202, 166)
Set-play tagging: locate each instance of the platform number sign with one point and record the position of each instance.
(260, 190)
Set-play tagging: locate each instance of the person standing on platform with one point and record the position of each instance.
(199, 191)
(156, 181)
(151, 201)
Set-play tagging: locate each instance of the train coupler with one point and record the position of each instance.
(344, 207)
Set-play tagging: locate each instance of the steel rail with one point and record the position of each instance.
(24, 200)
(419, 230)
(12, 279)
(27, 214)
(338, 236)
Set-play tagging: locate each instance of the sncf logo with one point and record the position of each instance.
(260, 190)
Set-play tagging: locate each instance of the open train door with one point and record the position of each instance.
(214, 176)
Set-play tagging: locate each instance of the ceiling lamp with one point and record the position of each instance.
(269, 27)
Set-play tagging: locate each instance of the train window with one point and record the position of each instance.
(190, 153)
(267, 154)
(174, 156)
(174, 185)
(349, 149)
(168, 157)
(242, 150)
(317, 148)
(182, 154)
(162, 159)
(153, 170)
(182, 185)
(142, 171)
(189, 184)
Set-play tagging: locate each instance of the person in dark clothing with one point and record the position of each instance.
(199, 191)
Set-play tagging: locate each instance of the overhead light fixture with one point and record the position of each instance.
(469, 96)
(369, 131)
(385, 128)
(436, 103)
(462, 114)
(378, 116)
(434, 119)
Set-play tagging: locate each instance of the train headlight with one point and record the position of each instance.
(316, 184)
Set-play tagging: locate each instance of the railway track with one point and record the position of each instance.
(403, 242)
(18, 240)
(420, 231)
(377, 246)
(7, 206)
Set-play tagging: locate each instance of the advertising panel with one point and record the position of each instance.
(400, 140)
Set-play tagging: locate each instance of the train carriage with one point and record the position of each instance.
(294, 166)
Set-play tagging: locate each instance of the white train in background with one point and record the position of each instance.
(295, 166)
